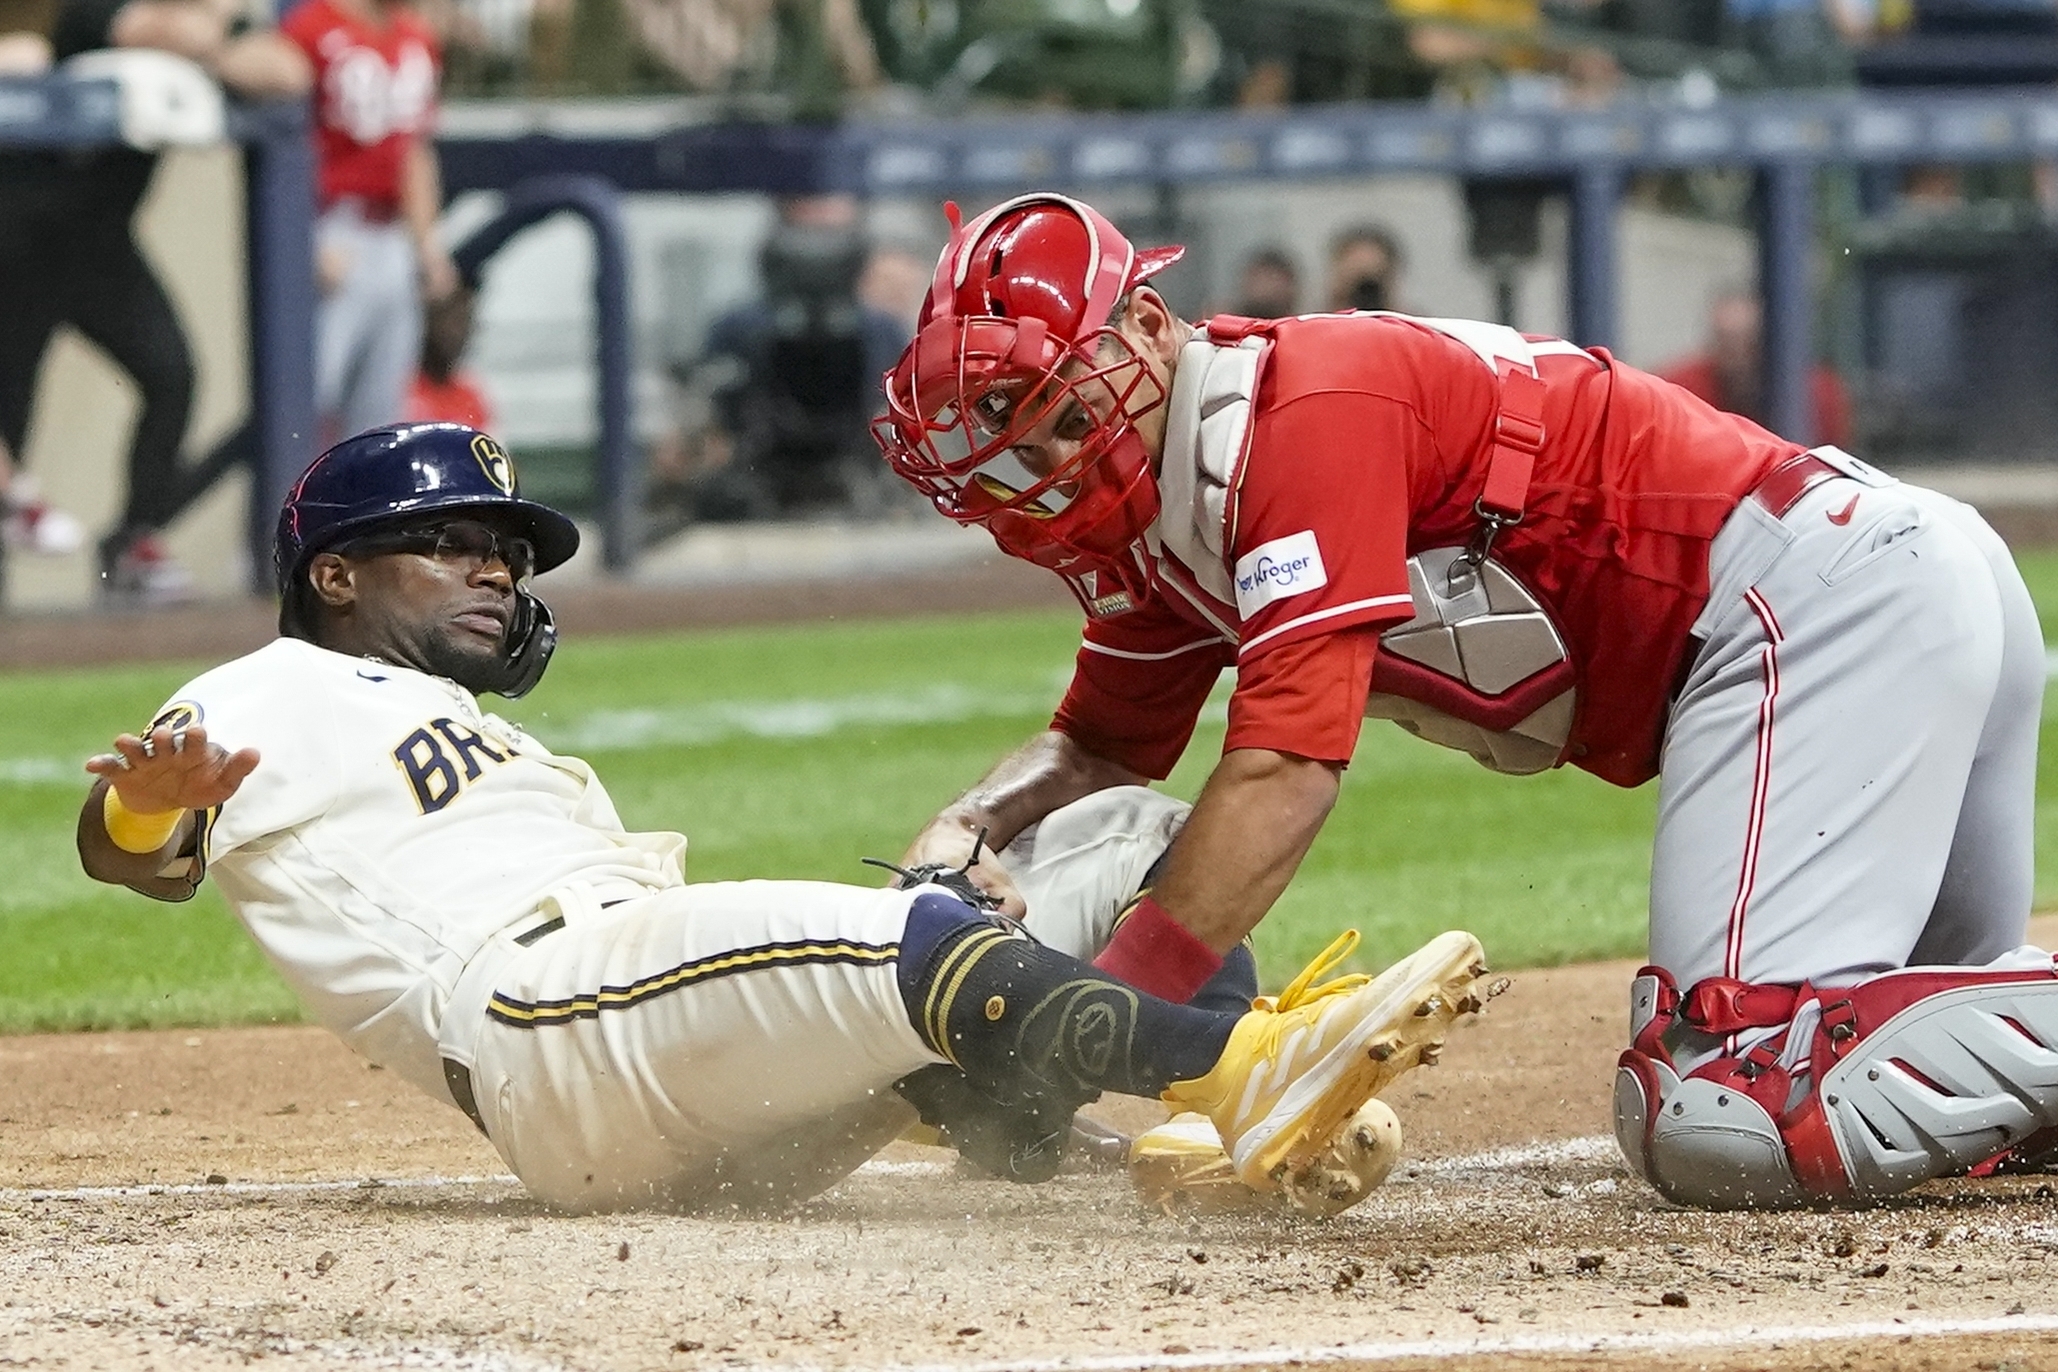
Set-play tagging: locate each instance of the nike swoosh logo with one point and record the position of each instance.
(1843, 516)
(369, 677)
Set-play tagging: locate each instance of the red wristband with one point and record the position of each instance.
(1155, 953)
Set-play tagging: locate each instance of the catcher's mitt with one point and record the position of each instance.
(956, 880)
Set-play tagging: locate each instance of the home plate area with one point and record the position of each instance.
(201, 1199)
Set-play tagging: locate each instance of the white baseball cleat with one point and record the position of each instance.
(1182, 1168)
(1299, 1065)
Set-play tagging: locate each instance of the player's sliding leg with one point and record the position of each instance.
(1023, 1021)
(737, 1042)
(1843, 860)
(1080, 870)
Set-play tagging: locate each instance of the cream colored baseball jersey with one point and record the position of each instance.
(390, 829)
(458, 903)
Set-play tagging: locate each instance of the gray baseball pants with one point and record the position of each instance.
(368, 331)
(1849, 773)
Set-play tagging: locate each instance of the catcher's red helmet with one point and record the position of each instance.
(1018, 334)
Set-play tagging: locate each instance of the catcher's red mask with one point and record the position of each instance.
(1016, 404)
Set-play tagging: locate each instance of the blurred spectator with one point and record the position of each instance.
(377, 252)
(1452, 35)
(775, 411)
(1932, 188)
(896, 282)
(441, 390)
(1730, 374)
(24, 38)
(1801, 42)
(815, 50)
(1365, 269)
(1268, 287)
(68, 256)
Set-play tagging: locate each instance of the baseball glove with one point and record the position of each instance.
(956, 880)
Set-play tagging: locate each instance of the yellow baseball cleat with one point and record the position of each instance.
(1182, 1168)
(1296, 1067)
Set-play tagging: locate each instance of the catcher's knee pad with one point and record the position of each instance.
(1699, 1142)
(1863, 1092)
(1958, 1068)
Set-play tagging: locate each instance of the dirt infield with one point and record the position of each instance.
(204, 1199)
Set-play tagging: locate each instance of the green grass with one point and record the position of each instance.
(793, 751)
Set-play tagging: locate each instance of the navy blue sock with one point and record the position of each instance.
(1232, 989)
(1020, 1019)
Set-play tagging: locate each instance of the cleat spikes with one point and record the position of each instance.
(1327, 1049)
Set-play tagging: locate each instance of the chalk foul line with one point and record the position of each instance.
(1397, 1350)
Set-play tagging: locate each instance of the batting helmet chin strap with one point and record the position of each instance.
(1856, 1092)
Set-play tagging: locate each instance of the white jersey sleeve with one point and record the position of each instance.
(269, 702)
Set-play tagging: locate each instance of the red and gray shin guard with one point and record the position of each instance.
(1860, 1092)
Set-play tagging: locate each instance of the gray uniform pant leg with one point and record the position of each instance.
(1848, 773)
(1081, 865)
(1988, 884)
(368, 331)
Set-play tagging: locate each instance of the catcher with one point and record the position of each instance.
(463, 906)
(1529, 551)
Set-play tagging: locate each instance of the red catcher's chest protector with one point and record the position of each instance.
(1481, 667)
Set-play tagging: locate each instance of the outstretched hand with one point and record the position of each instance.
(172, 769)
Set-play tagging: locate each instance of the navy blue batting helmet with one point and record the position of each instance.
(397, 474)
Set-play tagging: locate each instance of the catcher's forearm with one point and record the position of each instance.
(1249, 830)
(104, 860)
(1049, 771)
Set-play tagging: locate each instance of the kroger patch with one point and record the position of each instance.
(1273, 571)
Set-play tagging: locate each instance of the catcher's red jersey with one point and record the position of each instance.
(1367, 441)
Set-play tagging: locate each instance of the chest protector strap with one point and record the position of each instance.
(1518, 436)
(1480, 667)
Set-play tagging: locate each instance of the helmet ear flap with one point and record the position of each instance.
(531, 639)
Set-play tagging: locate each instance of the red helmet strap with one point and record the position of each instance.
(1030, 336)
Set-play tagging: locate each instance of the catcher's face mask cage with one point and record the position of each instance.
(999, 425)
(1015, 407)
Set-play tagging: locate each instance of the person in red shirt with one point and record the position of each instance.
(1730, 373)
(1528, 550)
(442, 391)
(378, 254)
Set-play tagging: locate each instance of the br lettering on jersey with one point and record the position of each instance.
(1273, 571)
(440, 759)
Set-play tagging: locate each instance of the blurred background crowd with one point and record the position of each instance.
(764, 324)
